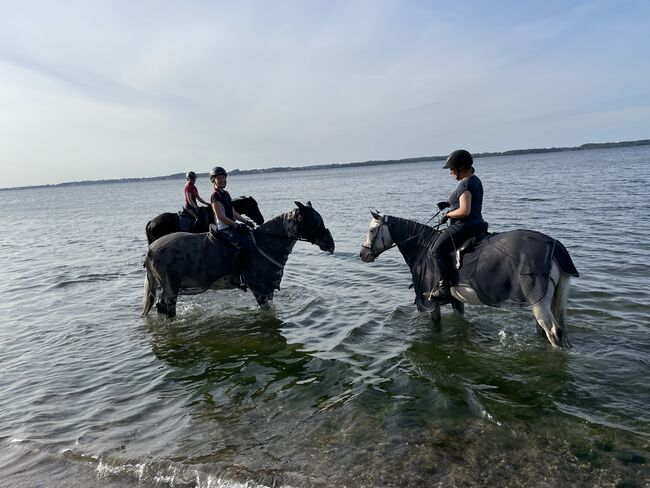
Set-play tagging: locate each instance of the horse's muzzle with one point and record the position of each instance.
(326, 243)
(366, 255)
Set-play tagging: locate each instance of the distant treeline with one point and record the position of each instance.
(514, 152)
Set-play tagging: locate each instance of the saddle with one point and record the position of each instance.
(215, 235)
(470, 244)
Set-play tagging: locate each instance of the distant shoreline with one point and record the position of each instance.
(279, 169)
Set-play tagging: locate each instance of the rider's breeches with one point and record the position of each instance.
(448, 240)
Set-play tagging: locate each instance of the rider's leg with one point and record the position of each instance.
(239, 240)
(441, 248)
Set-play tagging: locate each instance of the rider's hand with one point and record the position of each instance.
(443, 205)
(250, 224)
(444, 219)
(239, 227)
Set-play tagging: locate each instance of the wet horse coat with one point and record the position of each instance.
(185, 264)
(520, 268)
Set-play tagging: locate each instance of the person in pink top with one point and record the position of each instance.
(191, 194)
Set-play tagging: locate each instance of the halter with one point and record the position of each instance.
(280, 236)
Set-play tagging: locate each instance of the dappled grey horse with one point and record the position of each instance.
(187, 264)
(520, 268)
(169, 222)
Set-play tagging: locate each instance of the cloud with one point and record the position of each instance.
(121, 89)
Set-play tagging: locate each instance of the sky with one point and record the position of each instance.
(120, 89)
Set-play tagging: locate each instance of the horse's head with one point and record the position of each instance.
(310, 226)
(248, 206)
(377, 240)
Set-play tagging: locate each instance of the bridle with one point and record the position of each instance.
(385, 220)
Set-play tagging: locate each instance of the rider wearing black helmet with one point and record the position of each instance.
(191, 195)
(464, 216)
(230, 225)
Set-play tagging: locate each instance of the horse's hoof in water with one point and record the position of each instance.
(435, 315)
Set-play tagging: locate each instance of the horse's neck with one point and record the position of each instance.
(278, 235)
(208, 212)
(240, 205)
(411, 238)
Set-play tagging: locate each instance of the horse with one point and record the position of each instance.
(168, 222)
(185, 264)
(519, 267)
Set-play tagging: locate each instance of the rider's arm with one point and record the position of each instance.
(221, 215)
(242, 219)
(201, 200)
(465, 206)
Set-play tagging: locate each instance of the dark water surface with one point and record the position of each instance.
(344, 383)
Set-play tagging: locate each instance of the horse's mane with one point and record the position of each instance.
(277, 223)
(412, 238)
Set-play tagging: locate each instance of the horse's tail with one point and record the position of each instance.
(563, 259)
(147, 229)
(149, 288)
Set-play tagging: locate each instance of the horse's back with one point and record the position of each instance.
(533, 248)
(513, 267)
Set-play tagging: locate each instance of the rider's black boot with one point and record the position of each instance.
(238, 265)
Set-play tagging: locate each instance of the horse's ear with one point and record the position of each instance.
(309, 204)
(299, 205)
(376, 214)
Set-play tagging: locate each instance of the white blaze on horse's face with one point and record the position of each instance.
(377, 240)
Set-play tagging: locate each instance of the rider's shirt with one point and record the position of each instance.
(190, 193)
(475, 187)
(222, 197)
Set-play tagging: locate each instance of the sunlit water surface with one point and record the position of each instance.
(344, 383)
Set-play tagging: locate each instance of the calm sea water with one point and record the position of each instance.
(344, 383)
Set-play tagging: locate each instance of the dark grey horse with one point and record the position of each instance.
(187, 264)
(169, 222)
(519, 267)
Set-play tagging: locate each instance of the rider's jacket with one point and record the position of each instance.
(222, 197)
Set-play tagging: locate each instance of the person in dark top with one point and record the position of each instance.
(191, 195)
(231, 227)
(463, 219)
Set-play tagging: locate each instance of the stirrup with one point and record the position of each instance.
(440, 292)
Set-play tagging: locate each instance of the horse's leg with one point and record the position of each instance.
(435, 314)
(560, 300)
(554, 330)
(264, 301)
(169, 295)
(149, 293)
(458, 306)
(167, 306)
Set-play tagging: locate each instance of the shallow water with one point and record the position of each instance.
(344, 383)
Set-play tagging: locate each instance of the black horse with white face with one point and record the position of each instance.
(519, 267)
(187, 264)
(169, 222)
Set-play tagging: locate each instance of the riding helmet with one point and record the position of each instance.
(191, 175)
(218, 170)
(459, 160)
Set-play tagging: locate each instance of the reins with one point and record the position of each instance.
(395, 244)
